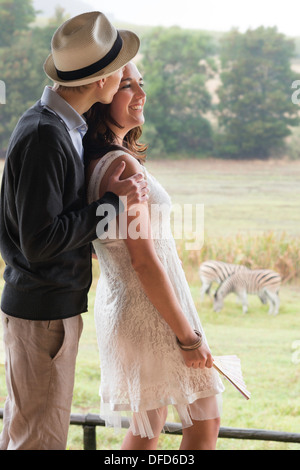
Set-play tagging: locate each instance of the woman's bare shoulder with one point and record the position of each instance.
(132, 166)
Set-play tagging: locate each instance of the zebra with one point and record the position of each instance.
(216, 271)
(263, 282)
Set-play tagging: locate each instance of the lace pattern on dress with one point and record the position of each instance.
(142, 369)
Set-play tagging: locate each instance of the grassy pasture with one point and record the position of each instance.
(265, 346)
(251, 213)
(251, 197)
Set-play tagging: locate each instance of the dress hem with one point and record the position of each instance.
(147, 422)
(168, 401)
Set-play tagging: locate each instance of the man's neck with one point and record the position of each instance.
(81, 102)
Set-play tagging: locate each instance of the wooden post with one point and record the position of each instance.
(89, 438)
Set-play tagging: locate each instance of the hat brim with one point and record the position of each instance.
(130, 47)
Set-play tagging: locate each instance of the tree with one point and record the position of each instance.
(21, 68)
(255, 110)
(15, 15)
(175, 66)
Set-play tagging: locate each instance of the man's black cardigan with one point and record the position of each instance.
(46, 225)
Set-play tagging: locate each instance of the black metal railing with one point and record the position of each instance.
(90, 422)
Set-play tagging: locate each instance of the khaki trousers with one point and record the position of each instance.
(40, 370)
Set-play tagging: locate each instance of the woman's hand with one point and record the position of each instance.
(198, 358)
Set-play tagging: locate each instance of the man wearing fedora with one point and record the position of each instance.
(46, 228)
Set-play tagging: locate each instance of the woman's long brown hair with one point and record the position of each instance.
(100, 139)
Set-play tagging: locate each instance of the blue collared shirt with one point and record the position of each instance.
(75, 123)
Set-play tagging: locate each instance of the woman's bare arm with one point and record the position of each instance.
(152, 274)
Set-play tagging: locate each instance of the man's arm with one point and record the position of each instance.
(45, 227)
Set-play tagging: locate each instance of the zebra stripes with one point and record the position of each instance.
(216, 271)
(263, 282)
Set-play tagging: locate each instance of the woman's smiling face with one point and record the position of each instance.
(128, 104)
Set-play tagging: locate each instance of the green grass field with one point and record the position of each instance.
(265, 346)
(242, 199)
(239, 197)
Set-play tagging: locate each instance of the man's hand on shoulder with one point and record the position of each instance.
(128, 182)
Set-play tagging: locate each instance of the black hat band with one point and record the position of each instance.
(93, 68)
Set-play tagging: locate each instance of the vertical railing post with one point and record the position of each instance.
(89, 437)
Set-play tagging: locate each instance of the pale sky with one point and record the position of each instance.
(218, 15)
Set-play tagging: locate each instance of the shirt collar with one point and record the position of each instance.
(63, 109)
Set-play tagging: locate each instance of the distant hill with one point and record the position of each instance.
(46, 9)
(73, 7)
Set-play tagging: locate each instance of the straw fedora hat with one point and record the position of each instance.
(87, 48)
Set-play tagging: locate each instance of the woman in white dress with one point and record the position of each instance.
(153, 350)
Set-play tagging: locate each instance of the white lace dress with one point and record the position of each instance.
(142, 369)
